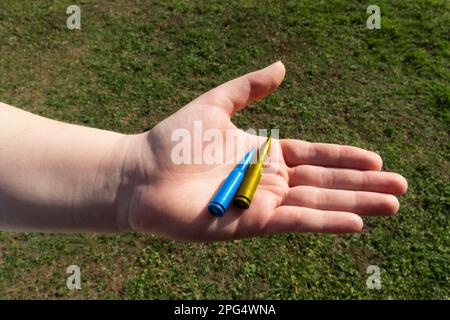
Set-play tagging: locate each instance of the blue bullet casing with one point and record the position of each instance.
(223, 197)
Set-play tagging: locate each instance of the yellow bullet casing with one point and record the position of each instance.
(247, 189)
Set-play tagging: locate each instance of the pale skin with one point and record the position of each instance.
(60, 177)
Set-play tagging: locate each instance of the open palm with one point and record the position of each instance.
(307, 187)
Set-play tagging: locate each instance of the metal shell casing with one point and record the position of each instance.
(246, 191)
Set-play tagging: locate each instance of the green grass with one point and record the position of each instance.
(135, 62)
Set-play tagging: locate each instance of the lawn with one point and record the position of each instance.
(134, 62)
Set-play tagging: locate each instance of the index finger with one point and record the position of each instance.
(297, 152)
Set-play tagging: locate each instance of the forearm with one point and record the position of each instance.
(58, 177)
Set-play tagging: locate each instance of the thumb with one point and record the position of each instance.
(240, 92)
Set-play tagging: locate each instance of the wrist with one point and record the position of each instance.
(99, 196)
(136, 167)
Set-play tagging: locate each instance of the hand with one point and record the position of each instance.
(316, 187)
